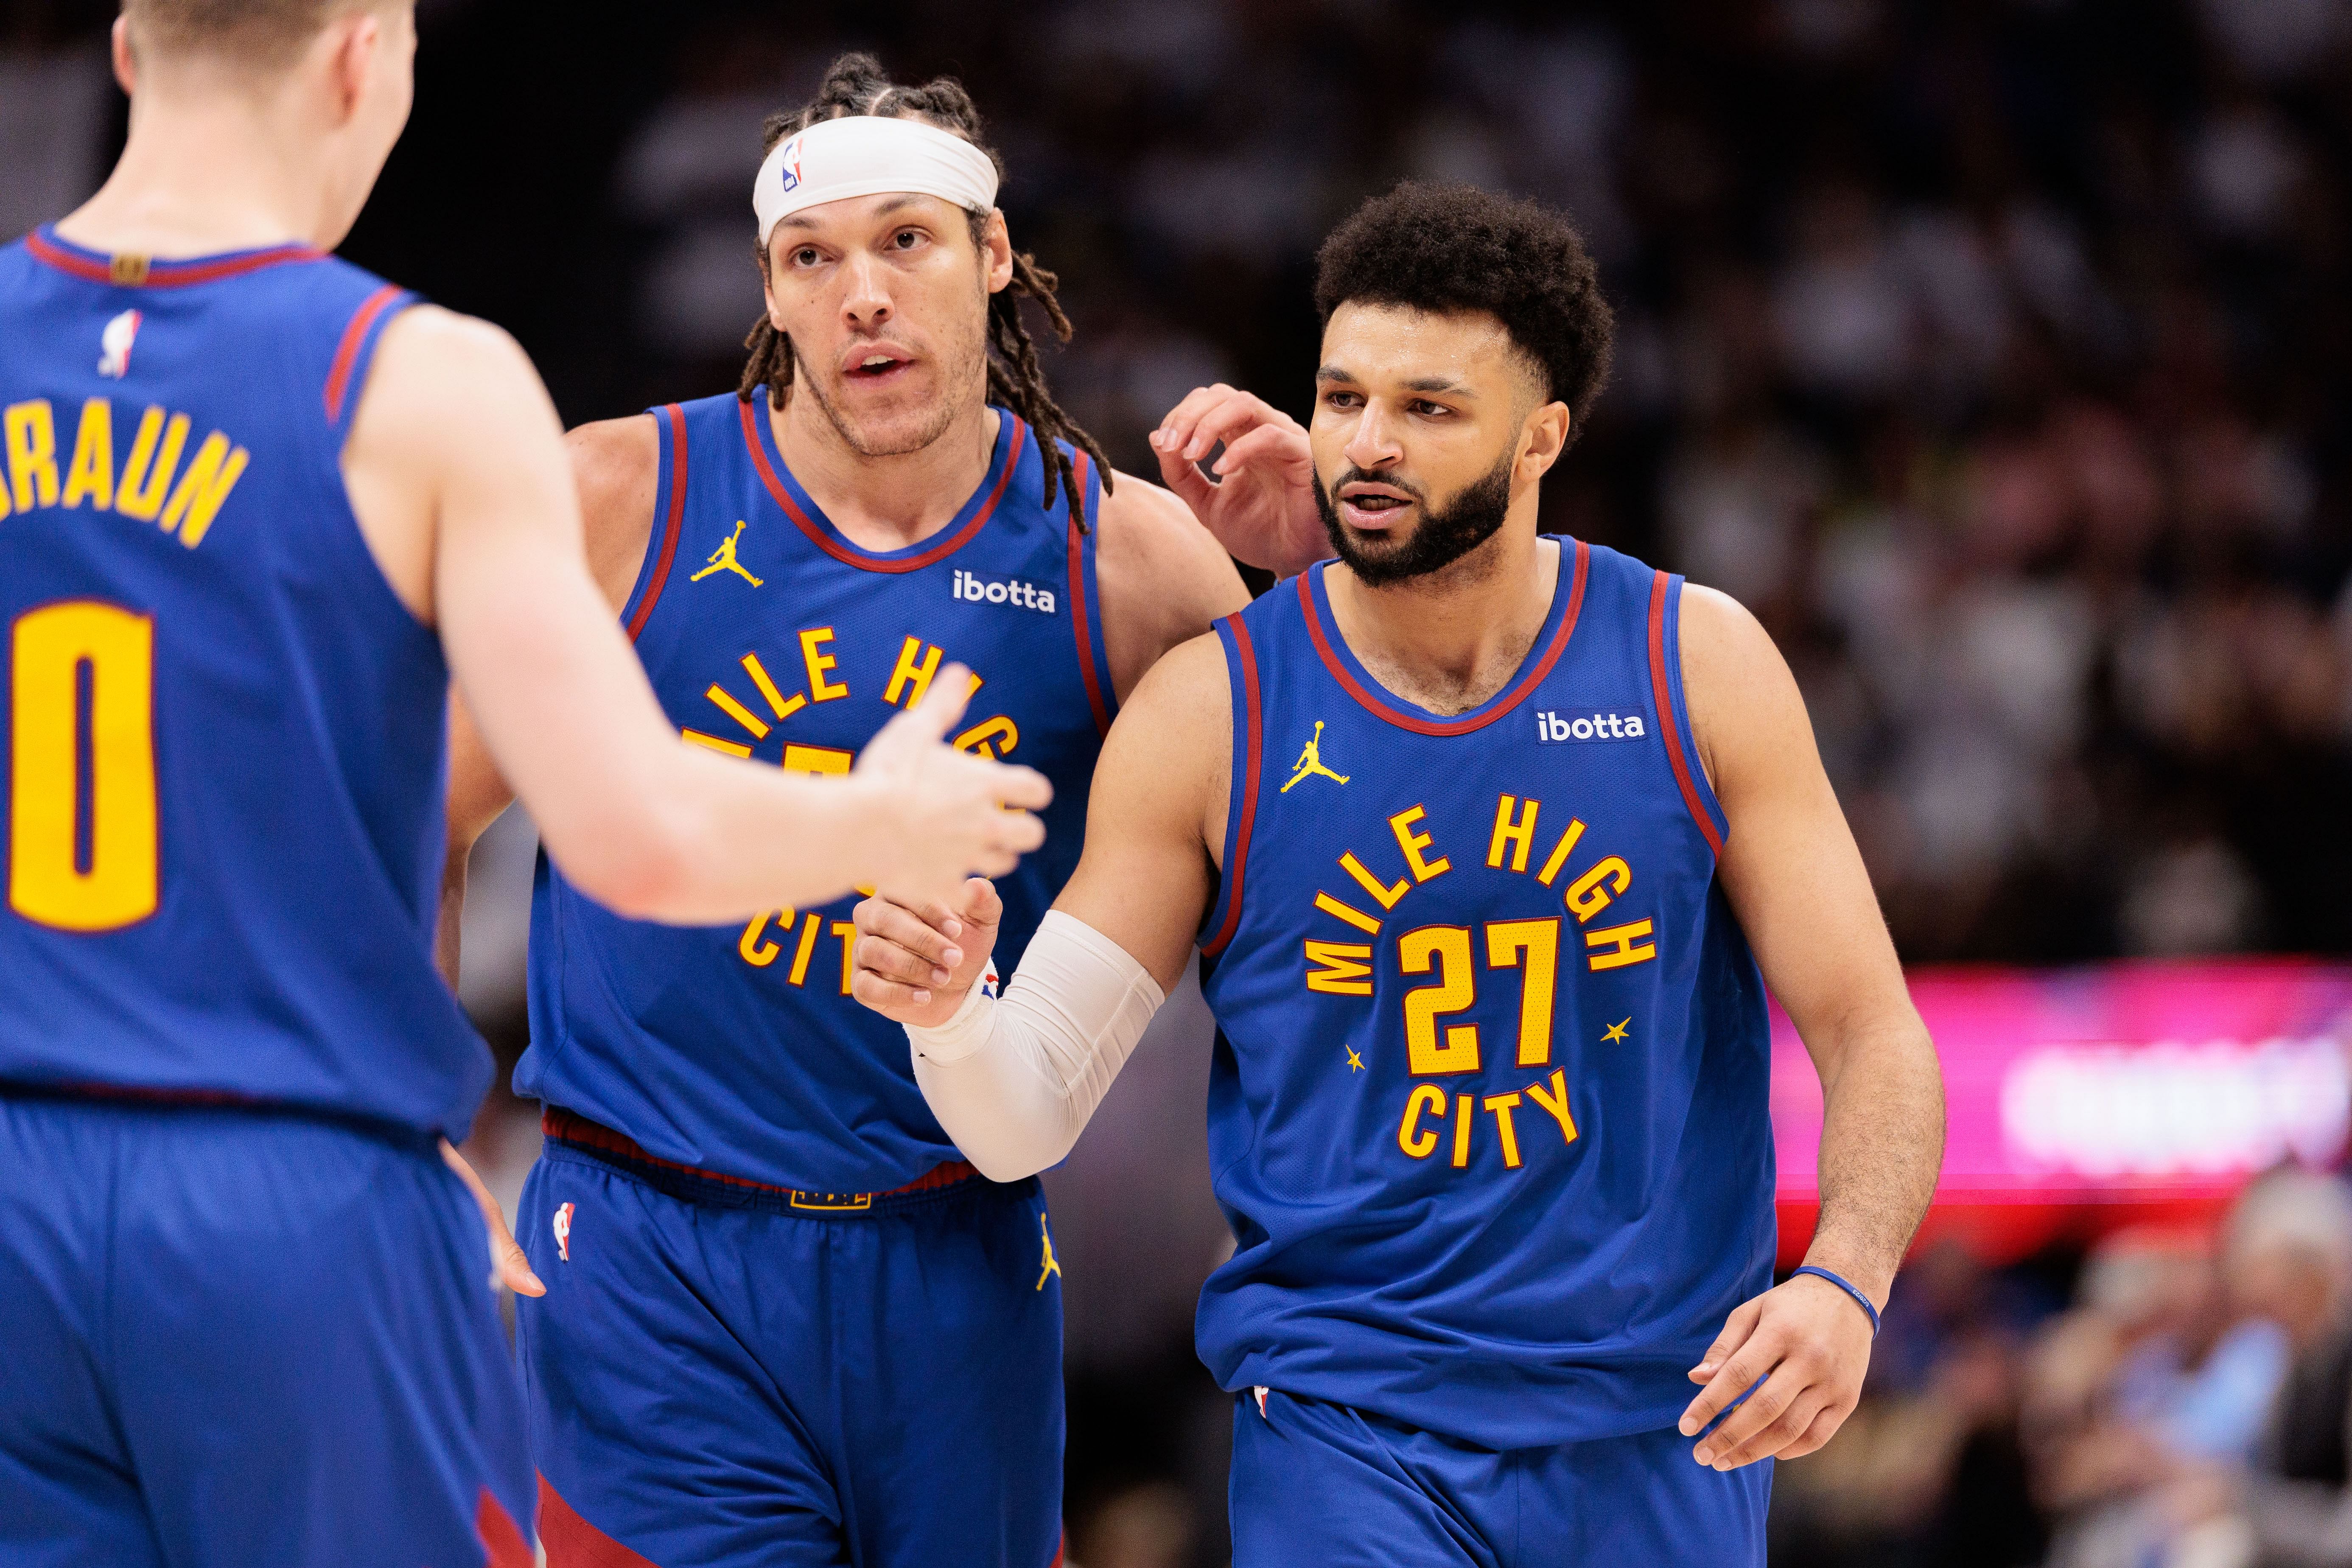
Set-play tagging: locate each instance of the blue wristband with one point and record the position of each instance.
(1820, 1273)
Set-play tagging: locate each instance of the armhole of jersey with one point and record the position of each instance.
(1086, 601)
(670, 516)
(1667, 681)
(1241, 804)
(356, 356)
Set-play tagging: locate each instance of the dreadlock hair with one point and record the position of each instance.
(854, 84)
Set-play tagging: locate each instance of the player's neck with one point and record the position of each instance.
(205, 174)
(1451, 640)
(888, 502)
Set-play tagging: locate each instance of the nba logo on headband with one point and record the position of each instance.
(788, 165)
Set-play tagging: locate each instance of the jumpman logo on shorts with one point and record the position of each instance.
(723, 560)
(1310, 762)
(1052, 1266)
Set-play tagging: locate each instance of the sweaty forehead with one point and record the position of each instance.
(1466, 353)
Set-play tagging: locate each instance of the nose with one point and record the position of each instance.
(1373, 444)
(865, 299)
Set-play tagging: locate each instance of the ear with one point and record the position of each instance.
(126, 63)
(354, 42)
(997, 252)
(1543, 436)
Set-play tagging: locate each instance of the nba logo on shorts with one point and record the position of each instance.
(788, 168)
(563, 1232)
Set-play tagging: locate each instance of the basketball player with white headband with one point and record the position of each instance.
(784, 1322)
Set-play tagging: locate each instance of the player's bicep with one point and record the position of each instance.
(1144, 877)
(564, 711)
(1790, 867)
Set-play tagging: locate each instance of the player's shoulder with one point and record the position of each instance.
(1718, 632)
(455, 360)
(444, 388)
(1147, 521)
(1150, 541)
(616, 461)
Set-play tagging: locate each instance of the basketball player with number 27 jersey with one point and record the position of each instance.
(776, 1282)
(249, 497)
(1482, 837)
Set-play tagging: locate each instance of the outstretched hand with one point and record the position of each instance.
(1261, 504)
(1808, 1344)
(509, 1267)
(915, 962)
(954, 813)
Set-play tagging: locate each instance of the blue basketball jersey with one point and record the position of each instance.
(225, 733)
(1487, 1110)
(768, 634)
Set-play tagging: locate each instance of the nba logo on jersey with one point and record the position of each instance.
(114, 346)
(1558, 729)
(563, 1232)
(789, 167)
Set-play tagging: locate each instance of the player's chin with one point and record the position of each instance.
(904, 395)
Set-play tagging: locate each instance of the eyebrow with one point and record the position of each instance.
(1447, 384)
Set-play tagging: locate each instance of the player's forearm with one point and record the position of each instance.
(1882, 1146)
(693, 841)
(1014, 1080)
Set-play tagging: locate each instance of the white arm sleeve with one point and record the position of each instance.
(1014, 1081)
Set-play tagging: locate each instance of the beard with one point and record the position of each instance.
(913, 428)
(1444, 536)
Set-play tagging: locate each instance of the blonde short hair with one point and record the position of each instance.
(265, 33)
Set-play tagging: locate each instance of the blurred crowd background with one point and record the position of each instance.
(1996, 352)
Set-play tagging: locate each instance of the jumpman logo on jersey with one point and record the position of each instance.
(1616, 1031)
(1310, 762)
(723, 560)
(1052, 1266)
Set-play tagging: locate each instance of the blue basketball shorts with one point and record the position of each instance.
(231, 1338)
(1334, 1487)
(723, 1374)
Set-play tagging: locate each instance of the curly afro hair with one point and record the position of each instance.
(1456, 248)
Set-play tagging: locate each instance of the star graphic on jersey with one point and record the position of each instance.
(1355, 1062)
(1616, 1031)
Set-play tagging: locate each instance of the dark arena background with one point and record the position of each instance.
(1993, 352)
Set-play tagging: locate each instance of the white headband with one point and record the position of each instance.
(866, 155)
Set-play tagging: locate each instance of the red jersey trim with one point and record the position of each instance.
(134, 272)
(347, 352)
(1094, 682)
(1670, 717)
(840, 551)
(567, 1128)
(671, 527)
(502, 1540)
(573, 1543)
(1531, 679)
(1253, 734)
